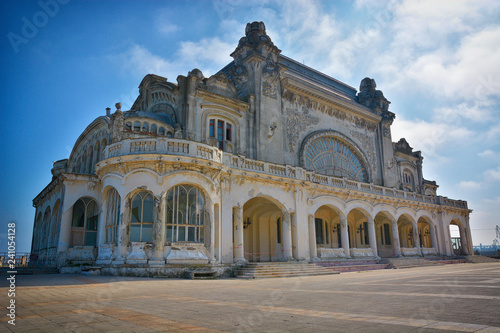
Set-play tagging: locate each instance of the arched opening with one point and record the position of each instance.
(457, 238)
(54, 226)
(262, 230)
(408, 236)
(424, 233)
(359, 236)
(384, 235)
(44, 234)
(84, 222)
(328, 232)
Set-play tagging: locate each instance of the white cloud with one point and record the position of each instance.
(209, 53)
(429, 137)
(492, 174)
(488, 154)
(469, 185)
(139, 60)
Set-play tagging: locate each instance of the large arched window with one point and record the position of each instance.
(113, 216)
(54, 225)
(84, 222)
(221, 132)
(141, 220)
(408, 183)
(185, 214)
(332, 156)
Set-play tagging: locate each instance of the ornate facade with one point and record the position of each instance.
(267, 160)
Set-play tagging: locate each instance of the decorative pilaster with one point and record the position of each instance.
(287, 235)
(345, 235)
(313, 251)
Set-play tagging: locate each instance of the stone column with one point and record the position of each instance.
(432, 231)
(345, 235)
(395, 238)
(463, 240)
(372, 238)
(313, 251)
(416, 239)
(287, 235)
(159, 212)
(123, 236)
(239, 255)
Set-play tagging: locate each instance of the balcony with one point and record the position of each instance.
(180, 147)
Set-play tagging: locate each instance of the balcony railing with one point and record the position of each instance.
(194, 149)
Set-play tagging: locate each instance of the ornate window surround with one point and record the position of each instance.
(218, 114)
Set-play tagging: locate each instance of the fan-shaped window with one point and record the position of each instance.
(331, 156)
(185, 214)
(84, 222)
(141, 221)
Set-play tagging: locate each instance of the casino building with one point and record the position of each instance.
(267, 160)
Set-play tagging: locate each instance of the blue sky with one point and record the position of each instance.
(438, 62)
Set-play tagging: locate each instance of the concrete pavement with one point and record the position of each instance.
(453, 298)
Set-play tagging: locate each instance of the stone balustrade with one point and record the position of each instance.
(199, 150)
(325, 253)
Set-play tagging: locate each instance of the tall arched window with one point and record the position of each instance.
(220, 130)
(113, 216)
(185, 214)
(54, 225)
(84, 222)
(332, 156)
(45, 230)
(408, 182)
(141, 220)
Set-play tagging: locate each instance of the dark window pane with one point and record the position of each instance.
(135, 232)
(147, 232)
(136, 208)
(228, 132)
(212, 127)
(78, 214)
(319, 231)
(182, 234)
(91, 238)
(170, 230)
(191, 231)
(147, 214)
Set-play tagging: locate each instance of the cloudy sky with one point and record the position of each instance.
(438, 62)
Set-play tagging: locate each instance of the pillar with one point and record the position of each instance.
(463, 240)
(372, 238)
(395, 238)
(345, 235)
(416, 239)
(313, 251)
(239, 255)
(159, 215)
(287, 235)
(432, 230)
(123, 236)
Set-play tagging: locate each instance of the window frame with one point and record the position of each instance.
(140, 223)
(84, 229)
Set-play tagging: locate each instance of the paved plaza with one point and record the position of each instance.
(454, 298)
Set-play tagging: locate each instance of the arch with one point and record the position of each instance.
(339, 206)
(362, 206)
(45, 230)
(408, 179)
(113, 213)
(384, 234)
(54, 229)
(144, 170)
(406, 230)
(85, 217)
(264, 237)
(141, 216)
(332, 153)
(386, 209)
(357, 221)
(185, 214)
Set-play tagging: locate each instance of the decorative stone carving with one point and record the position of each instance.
(367, 144)
(372, 98)
(239, 76)
(298, 100)
(270, 76)
(297, 122)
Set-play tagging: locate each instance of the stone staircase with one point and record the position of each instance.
(261, 270)
(352, 265)
(415, 262)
